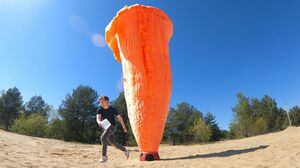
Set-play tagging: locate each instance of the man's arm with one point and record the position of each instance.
(98, 118)
(120, 119)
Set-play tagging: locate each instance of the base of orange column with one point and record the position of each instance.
(149, 156)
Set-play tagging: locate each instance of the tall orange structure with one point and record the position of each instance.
(139, 37)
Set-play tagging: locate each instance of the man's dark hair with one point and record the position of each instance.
(105, 98)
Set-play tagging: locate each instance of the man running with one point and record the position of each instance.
(107, 112)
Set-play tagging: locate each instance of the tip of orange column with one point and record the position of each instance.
(149, 156)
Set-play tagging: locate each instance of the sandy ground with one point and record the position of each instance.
(281, 149)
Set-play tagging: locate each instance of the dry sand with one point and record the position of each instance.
(281, 149)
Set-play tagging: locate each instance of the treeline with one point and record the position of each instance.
(186, 124)
(75, 120)
(253, 116)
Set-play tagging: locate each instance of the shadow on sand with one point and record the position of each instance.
(220, 154)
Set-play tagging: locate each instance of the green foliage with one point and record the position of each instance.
(210, 120)
(295, 116)
(55, 129)
(242, 116)
(269, 111)
(181, 124)
(36, 105)
(10, 106)
(235, 130)
(224, 134)
(78, 111)
(131, 140)
(171, 130)
(76, 118)
(201, 131)
(254, 117)
(281, 120)
(260, 126)
(33, 125)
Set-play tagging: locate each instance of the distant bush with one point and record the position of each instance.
(33, 125)
(253, 116)
(55, 129)
(131, 140)
(259, 126)
(295, 116)
(202, 132)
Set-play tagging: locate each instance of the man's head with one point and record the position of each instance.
(104, 100)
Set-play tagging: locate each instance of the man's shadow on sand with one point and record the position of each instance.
(220, 154)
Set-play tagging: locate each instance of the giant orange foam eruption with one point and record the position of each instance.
(139, 37)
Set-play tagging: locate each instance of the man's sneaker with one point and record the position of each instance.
(126, 154)
(104, 159)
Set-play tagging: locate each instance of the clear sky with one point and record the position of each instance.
(219, 48)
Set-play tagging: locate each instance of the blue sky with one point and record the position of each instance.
(218, 48)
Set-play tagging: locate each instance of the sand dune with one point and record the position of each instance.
(281, 149)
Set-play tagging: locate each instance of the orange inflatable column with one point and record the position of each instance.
(139, 37)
